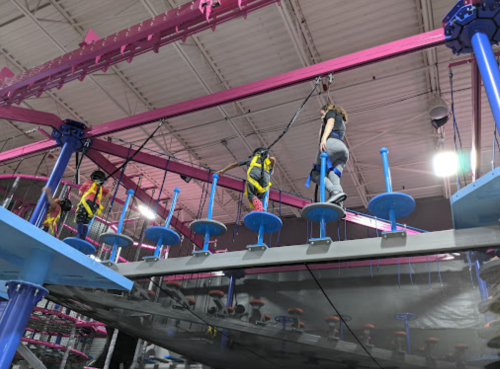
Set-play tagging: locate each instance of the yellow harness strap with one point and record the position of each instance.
(253, 182)
(51, 222)
(92, 191)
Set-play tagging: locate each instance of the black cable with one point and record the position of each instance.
(137, 151)
(318, 79)
(341, 318)
(220, 332)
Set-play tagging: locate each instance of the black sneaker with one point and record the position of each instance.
(337, 198)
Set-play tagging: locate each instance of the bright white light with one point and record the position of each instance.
(147, 212)
(445, 164)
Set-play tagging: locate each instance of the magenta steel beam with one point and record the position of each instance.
(196, 173)
(344, 63)
(97, 54)
(227, 182)
(465, 61)
(30, 149)
(30, 116)
(108, 167)
(337, 65)
(476, 120)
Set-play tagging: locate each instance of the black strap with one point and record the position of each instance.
(318, 79)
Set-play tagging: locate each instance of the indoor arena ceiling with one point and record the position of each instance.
(387, 102)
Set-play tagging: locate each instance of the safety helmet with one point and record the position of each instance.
(65, 204)
(98, 176)
(261, 151)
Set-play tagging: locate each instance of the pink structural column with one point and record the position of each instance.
(97, 54)
(108, 167)
(30, 116)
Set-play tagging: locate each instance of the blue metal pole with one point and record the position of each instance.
(229, 303)
(172, 207)
(407, 329)
(55, 177)
(23, 296)
(130, 192)
(206, 241)
(483, 287)
(322, 224)
(489, 71)
(323, 157)
(212, 196)
(159, 244)
(392, 217)
(266, 200)
(261, 235)
(387, 172)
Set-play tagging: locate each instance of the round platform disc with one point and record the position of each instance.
(317, 210)
(271, 222)
(402, 204)
(83, 246)
(214, 227)
(110, 238)
(168, 237)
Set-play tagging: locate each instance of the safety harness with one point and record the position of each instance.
(329, 165)
(265, 166)
(51, 222)
(96, 190)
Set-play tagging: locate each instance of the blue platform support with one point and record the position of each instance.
(261, 228)
(213, 191)
(388, 185)
(130, 193)
(55, 177)
(159, 244)
(406, 317)
(488, 68)
(24, 294)
(229, 303)
(322, 223)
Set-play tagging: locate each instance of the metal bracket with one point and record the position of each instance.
(151, 259)
(202, 253)
(257, 247)
(395, 234)
(327, 241)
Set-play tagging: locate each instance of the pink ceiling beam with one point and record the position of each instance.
(337, 65)
(193, 172)
(30, 149)
(228, 182)
(30, 116)
(97, 54)
(344, 63)
(106, 165)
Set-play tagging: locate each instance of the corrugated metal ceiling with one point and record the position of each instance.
(390, 97)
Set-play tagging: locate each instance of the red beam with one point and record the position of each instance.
(97, 54)
(465, 61)
(108, 167)
(30, 116)
(337, 65)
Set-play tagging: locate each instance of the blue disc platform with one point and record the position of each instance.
(168, 236)
(83, 246)
(121, 240)
(214, 227)
(478, 204)
(69, 266)
(402, 204)
(271, 222)
(329, 212)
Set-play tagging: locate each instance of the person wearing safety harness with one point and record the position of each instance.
(331, 137)
(259, 169)
(54, 211)
(92, 193)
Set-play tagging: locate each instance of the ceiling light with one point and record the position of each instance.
(438, 109)
(147, 212)
(445, 164)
